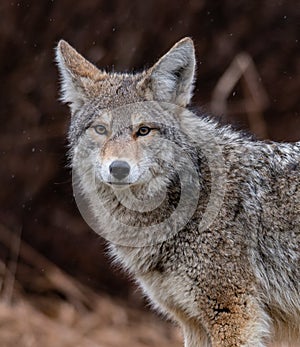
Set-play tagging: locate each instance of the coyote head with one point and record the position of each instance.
(121, 121)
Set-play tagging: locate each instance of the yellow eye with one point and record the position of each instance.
(143, 131)
(100, 129)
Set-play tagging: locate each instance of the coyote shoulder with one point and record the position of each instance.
(206, 219)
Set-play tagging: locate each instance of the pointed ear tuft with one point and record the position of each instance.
(76, 64)
(76, 74)
(172, 77)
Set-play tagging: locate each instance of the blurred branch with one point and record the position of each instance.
(10, 271)
(256, 99)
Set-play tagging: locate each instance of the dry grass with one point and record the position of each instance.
(110, 324)
(50, 308)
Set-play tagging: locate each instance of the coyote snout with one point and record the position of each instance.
(119, 169)
(120, 158)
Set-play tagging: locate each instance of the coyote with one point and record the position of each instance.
(205, 218)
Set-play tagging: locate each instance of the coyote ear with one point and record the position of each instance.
(77, 75)
(172, 77)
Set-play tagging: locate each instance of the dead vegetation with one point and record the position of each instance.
(54, 309)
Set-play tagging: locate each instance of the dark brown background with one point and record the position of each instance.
(36, 195)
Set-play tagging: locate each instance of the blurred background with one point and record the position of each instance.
(57, 287)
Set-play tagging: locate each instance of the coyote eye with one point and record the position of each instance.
(143, 131)
(100, 129)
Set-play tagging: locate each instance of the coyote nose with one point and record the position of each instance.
(119, 169)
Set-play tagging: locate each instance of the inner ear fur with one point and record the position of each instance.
(171, 79)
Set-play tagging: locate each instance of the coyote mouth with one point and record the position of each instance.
(119, 183)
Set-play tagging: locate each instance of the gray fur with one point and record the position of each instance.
(234, 282)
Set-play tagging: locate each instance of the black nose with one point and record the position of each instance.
(119, 169)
